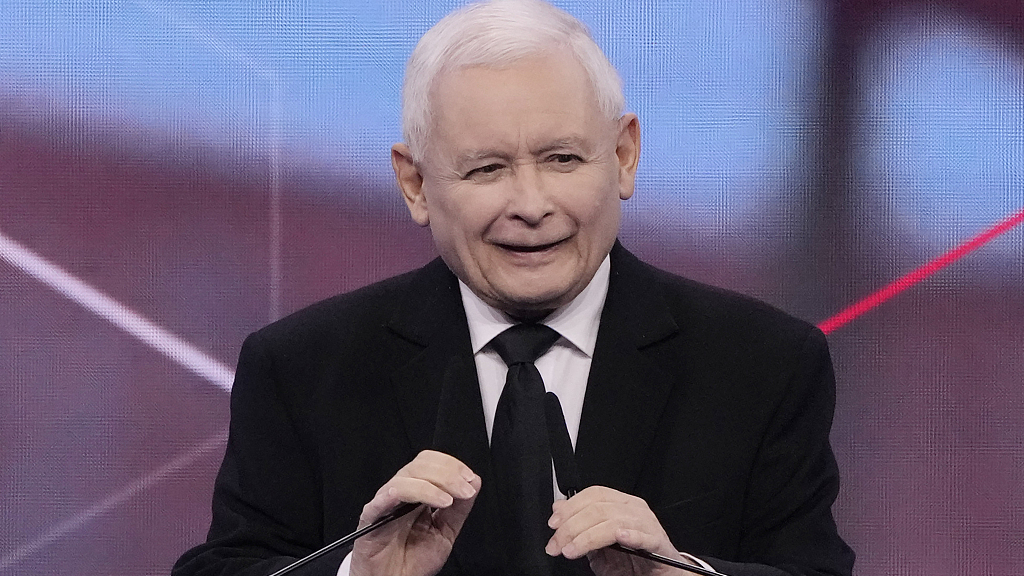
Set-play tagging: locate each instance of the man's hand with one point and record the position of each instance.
(597, 517)
(419, 543)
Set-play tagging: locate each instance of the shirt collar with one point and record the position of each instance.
(577, 322)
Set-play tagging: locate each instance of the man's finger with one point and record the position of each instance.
(439, 462)
(563, 509)
(444, 471)
(592, 538)
(415, 490)
(595, 519)
(639, 539)
(450, 520)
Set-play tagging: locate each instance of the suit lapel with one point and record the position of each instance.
(432, 334)
(439, 398)
(626, 391)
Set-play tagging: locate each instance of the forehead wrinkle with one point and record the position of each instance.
(502, 151)
(578, 142)
(477, 155)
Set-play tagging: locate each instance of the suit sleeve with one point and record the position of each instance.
(266, 506)
(788, 528)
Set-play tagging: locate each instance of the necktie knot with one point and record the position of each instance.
(523, 343)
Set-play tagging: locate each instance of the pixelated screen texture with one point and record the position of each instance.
(176, 174)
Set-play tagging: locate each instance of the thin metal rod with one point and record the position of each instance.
(409, 507)
(398, 513)
(665, 560)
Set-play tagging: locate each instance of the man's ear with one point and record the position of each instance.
(627, 149)
(410, 182)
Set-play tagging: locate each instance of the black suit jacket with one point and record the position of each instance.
(712, 407)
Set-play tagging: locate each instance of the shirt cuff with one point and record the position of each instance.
(689, 557)
(347, 563)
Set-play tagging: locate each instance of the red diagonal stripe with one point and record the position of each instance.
(901, 284)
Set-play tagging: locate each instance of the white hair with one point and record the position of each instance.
(498, 34)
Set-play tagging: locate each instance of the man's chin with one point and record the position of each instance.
(533, 305)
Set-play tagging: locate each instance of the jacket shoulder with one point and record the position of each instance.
(714, 312)
(340, 317)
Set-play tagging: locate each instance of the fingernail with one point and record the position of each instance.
(448, 500)
(467, 492)
(554, 521)
(569, 551)
(551, 549)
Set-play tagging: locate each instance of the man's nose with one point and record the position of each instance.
(530, 200)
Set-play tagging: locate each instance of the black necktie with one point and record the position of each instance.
(519, 449)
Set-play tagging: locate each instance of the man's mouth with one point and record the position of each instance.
(528, 248)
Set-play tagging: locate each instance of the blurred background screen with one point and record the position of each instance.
(177, 173)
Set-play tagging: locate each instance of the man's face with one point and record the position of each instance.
(522, 181)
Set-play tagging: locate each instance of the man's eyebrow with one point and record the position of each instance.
(477, 155)
(576, 142)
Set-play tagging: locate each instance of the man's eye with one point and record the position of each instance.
(565, 158)
(564, 162)
(489, 169)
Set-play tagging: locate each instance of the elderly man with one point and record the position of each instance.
(700, 418)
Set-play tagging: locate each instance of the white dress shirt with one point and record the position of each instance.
(565, 367)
